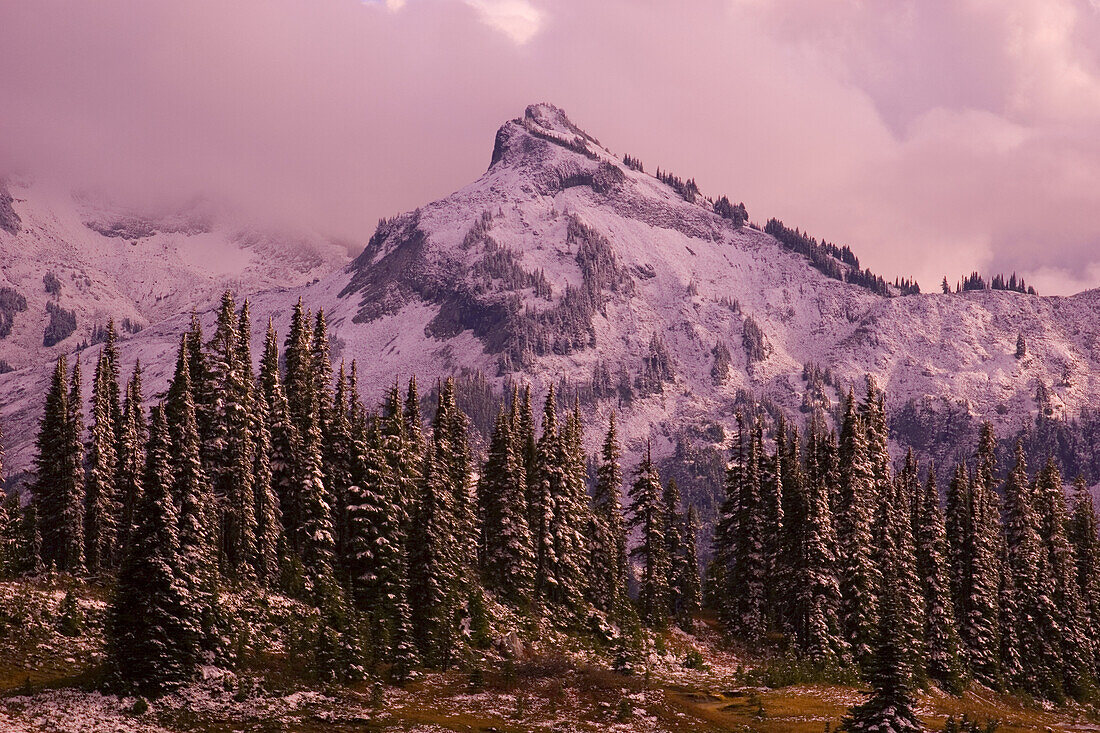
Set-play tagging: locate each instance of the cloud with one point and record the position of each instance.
(517, 19)
(933, 136)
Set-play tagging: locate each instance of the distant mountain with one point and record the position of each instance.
(563, 264)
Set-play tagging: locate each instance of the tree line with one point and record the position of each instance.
(856, 568)
(393, 528)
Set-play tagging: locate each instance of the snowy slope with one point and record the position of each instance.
(491, 278)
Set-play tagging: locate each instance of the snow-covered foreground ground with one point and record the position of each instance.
(563, 682)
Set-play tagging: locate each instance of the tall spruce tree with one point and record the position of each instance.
(812, 553)
(690, 590)
(608, 589)
(890, 707)
(193, 497)
(433, 581)
(101, 505)
(674, 544)
(983, 540)
(286, 461)
(153, 631)
(509, 557)
(59, 482)
(130, 456)
(748, 566)
(549, 477)
(1071, 648)
(232, 449)
(647, 517)
(1082, 531)
(940, 632)
(570, 517)
(855, 501)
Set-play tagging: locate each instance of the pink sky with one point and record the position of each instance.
(933, 136)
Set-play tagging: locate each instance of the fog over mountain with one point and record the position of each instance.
(934, 138)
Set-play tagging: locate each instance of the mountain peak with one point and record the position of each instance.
(547, 123)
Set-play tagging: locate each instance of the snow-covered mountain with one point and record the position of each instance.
(564, 263)
(79, 261)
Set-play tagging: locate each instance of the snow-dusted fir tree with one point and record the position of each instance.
(130, 455)
(508, 551)
(269, 528)
(1025, 563)
(608, 587)
(433, 581)
(904, 570)
(1072, 648)
(101, 505)
(771, 496)
(688, 585)
(982, 542)
(941, 636)
(298, 382)
(321, 367)
(549, 478)
(232, 448)
(286, 461)
(339, 457)
(153, 634)
(854, 506)
(570, 517)
(376, 565)
(193, 497)
(890, 672)
(810, 546)
(59, 483)
(727, 529)
(647, 518)
(748, 567)
(1082, 530)
(674, 544)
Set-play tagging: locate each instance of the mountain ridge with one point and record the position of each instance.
(562, 263)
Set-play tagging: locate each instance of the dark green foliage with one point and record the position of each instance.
(61, 325)
(11, 302)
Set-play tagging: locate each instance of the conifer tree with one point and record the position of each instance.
(982, 540)
(688, 585)
(1071, 648)
(812, 553)
(674, 544)
(433, 585)
(771, 495)
(152, 629)
(338, 456)
(268, 517)
(608, 537)
(286, 461)
(298, 382)
(647, 516)
(727, 528)
(549, 477)
(747, 568)
(201, 393)
(59, 485)
(523, 431)
(1082, 531)
(232, 449)
(1024, 664)
(376, 559)
(101, 505)
(509, 562)
(890, 707)
(321, 365)
(570, 517)
(130, 456)
(904, 571)
(858, 572)
(940, 632)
